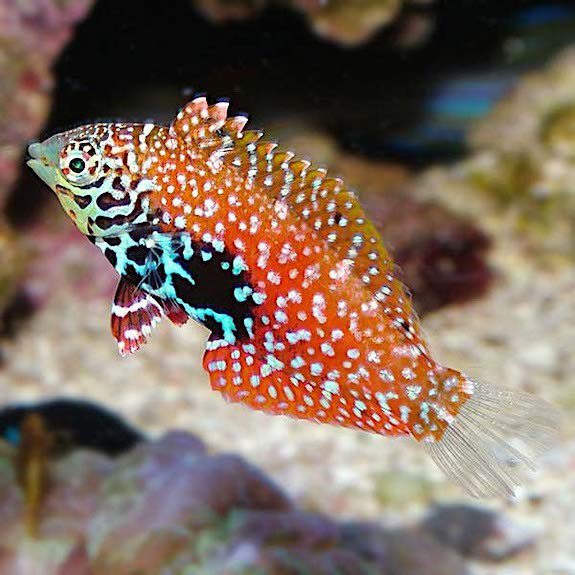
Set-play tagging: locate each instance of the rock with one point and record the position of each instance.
(349, 23)
(476, 532)
(11, 499)
(74, 494)
(401, 551)
(367, 540)
(13, 260)
(32, 33)
(60, 256)
(414, 552)
(442, 258)
(522, 161)
(278, 561)
(165, 484)
(249, 559)
(168, 506)
(293, 528)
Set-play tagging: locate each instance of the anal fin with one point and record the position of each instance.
(241, 375)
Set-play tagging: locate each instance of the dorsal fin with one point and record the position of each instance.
(331, 209)
(209, 126)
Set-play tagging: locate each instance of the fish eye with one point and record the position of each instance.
(80, 162)
(77, 165)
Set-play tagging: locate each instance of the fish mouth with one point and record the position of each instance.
(37, 153)
(40, 162)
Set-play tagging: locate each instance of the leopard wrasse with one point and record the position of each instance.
(205, 220)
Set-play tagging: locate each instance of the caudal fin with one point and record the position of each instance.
(493, 440)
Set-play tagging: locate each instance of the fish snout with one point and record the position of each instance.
(36, 151)
(43, 159)
(46, 152)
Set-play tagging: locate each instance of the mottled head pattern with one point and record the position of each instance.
(98, 173)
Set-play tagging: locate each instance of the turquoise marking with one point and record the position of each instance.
(169, 250)
(259, 298)
(188, 249)
(226, 321)
(219, 246)
(238, 265)
(241, 294)
(171, 267)
(120, 250)
(249, 325)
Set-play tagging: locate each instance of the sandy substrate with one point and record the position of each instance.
(521, 335)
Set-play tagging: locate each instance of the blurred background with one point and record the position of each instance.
(455, 122)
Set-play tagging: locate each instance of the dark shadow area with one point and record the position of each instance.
(131, 62)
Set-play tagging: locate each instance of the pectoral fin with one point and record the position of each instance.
(134, 314)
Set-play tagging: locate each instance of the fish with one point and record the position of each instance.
(204, 219)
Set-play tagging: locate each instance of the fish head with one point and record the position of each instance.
(96, 172)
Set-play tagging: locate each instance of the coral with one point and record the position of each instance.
(347, 22)
(32, 33)
(168, 506)
(402, 551)
(523, 157)
(442, 256)
(476, 532)
(12, 260)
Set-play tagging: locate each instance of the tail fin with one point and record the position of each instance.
(488, 445)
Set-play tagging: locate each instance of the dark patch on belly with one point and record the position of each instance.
(214, 288)
(137, 254)
(156, 276)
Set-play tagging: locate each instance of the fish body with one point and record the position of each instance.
(278, 260)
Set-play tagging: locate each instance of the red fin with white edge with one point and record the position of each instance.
(134, 314)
